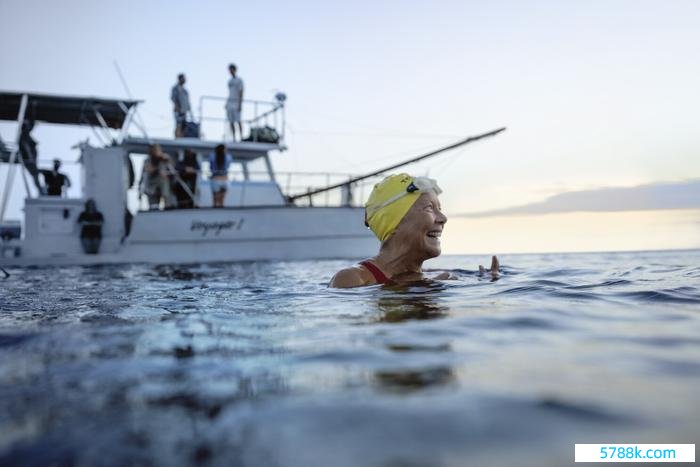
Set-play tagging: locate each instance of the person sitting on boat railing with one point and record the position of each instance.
(219, 162)
(404, 213)
(155, 181)
(91, 221)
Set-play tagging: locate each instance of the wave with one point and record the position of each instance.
(655, 296)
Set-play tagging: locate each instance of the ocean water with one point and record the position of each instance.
(260, 364)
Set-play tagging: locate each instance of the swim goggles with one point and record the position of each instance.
(423, 184)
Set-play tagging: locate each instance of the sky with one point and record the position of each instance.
(600, 98)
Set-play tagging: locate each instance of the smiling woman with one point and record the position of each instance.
(404, 213)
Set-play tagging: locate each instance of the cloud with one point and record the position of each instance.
(680, 195)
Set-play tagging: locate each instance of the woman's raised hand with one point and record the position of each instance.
(494, 270)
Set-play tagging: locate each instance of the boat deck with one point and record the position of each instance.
(242, 151)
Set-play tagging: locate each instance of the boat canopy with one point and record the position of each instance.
(67, 110)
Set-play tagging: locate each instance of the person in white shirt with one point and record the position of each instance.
(234, 102)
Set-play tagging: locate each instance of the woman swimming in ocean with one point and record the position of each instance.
(404, 213)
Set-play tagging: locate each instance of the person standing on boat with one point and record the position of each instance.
(404, 213)
(219, 162)
(28, 152)
(155, 180)
(187, 169)
(234, 102)
(91, 221)
(181, 104)
(55, 180)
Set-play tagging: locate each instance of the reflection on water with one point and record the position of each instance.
(261, 364)
(419, 300)
(409, 302)
(180, 273)
(414, 380)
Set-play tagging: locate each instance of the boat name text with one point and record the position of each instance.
(216, 227)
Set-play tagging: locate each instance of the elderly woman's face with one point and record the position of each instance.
(422, 226)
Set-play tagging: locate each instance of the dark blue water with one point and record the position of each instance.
(259, 364)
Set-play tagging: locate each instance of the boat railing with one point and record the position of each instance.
(294, 183)
(261, 114)
(346, 194)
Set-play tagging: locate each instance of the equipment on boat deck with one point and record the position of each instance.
(264, 134)
(190, 129)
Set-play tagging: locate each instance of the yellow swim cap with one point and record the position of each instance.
(391, 199)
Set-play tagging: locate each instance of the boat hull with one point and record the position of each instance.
(221, 235)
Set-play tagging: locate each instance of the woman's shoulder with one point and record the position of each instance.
(354, 276)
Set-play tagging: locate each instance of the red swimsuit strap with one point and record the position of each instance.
(376, 272)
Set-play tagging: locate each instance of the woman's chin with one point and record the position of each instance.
(431, 251)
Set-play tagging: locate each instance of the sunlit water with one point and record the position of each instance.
(259, 364)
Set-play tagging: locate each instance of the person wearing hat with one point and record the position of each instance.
(404, 213)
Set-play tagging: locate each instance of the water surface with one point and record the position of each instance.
(260, 364)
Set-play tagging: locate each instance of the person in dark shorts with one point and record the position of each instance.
(187, 169)
(91, 221)
(181, 104)
(55, 180)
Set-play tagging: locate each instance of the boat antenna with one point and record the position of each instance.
(462, 142)
(121, 78)
(137, 114)
(7, 274)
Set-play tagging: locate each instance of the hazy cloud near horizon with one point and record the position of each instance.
(656, 196)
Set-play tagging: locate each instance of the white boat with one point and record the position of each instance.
(258, 222)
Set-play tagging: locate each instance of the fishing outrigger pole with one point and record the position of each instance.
(348, 183)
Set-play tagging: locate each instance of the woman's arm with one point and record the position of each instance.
(444, 276)
(447, 275)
